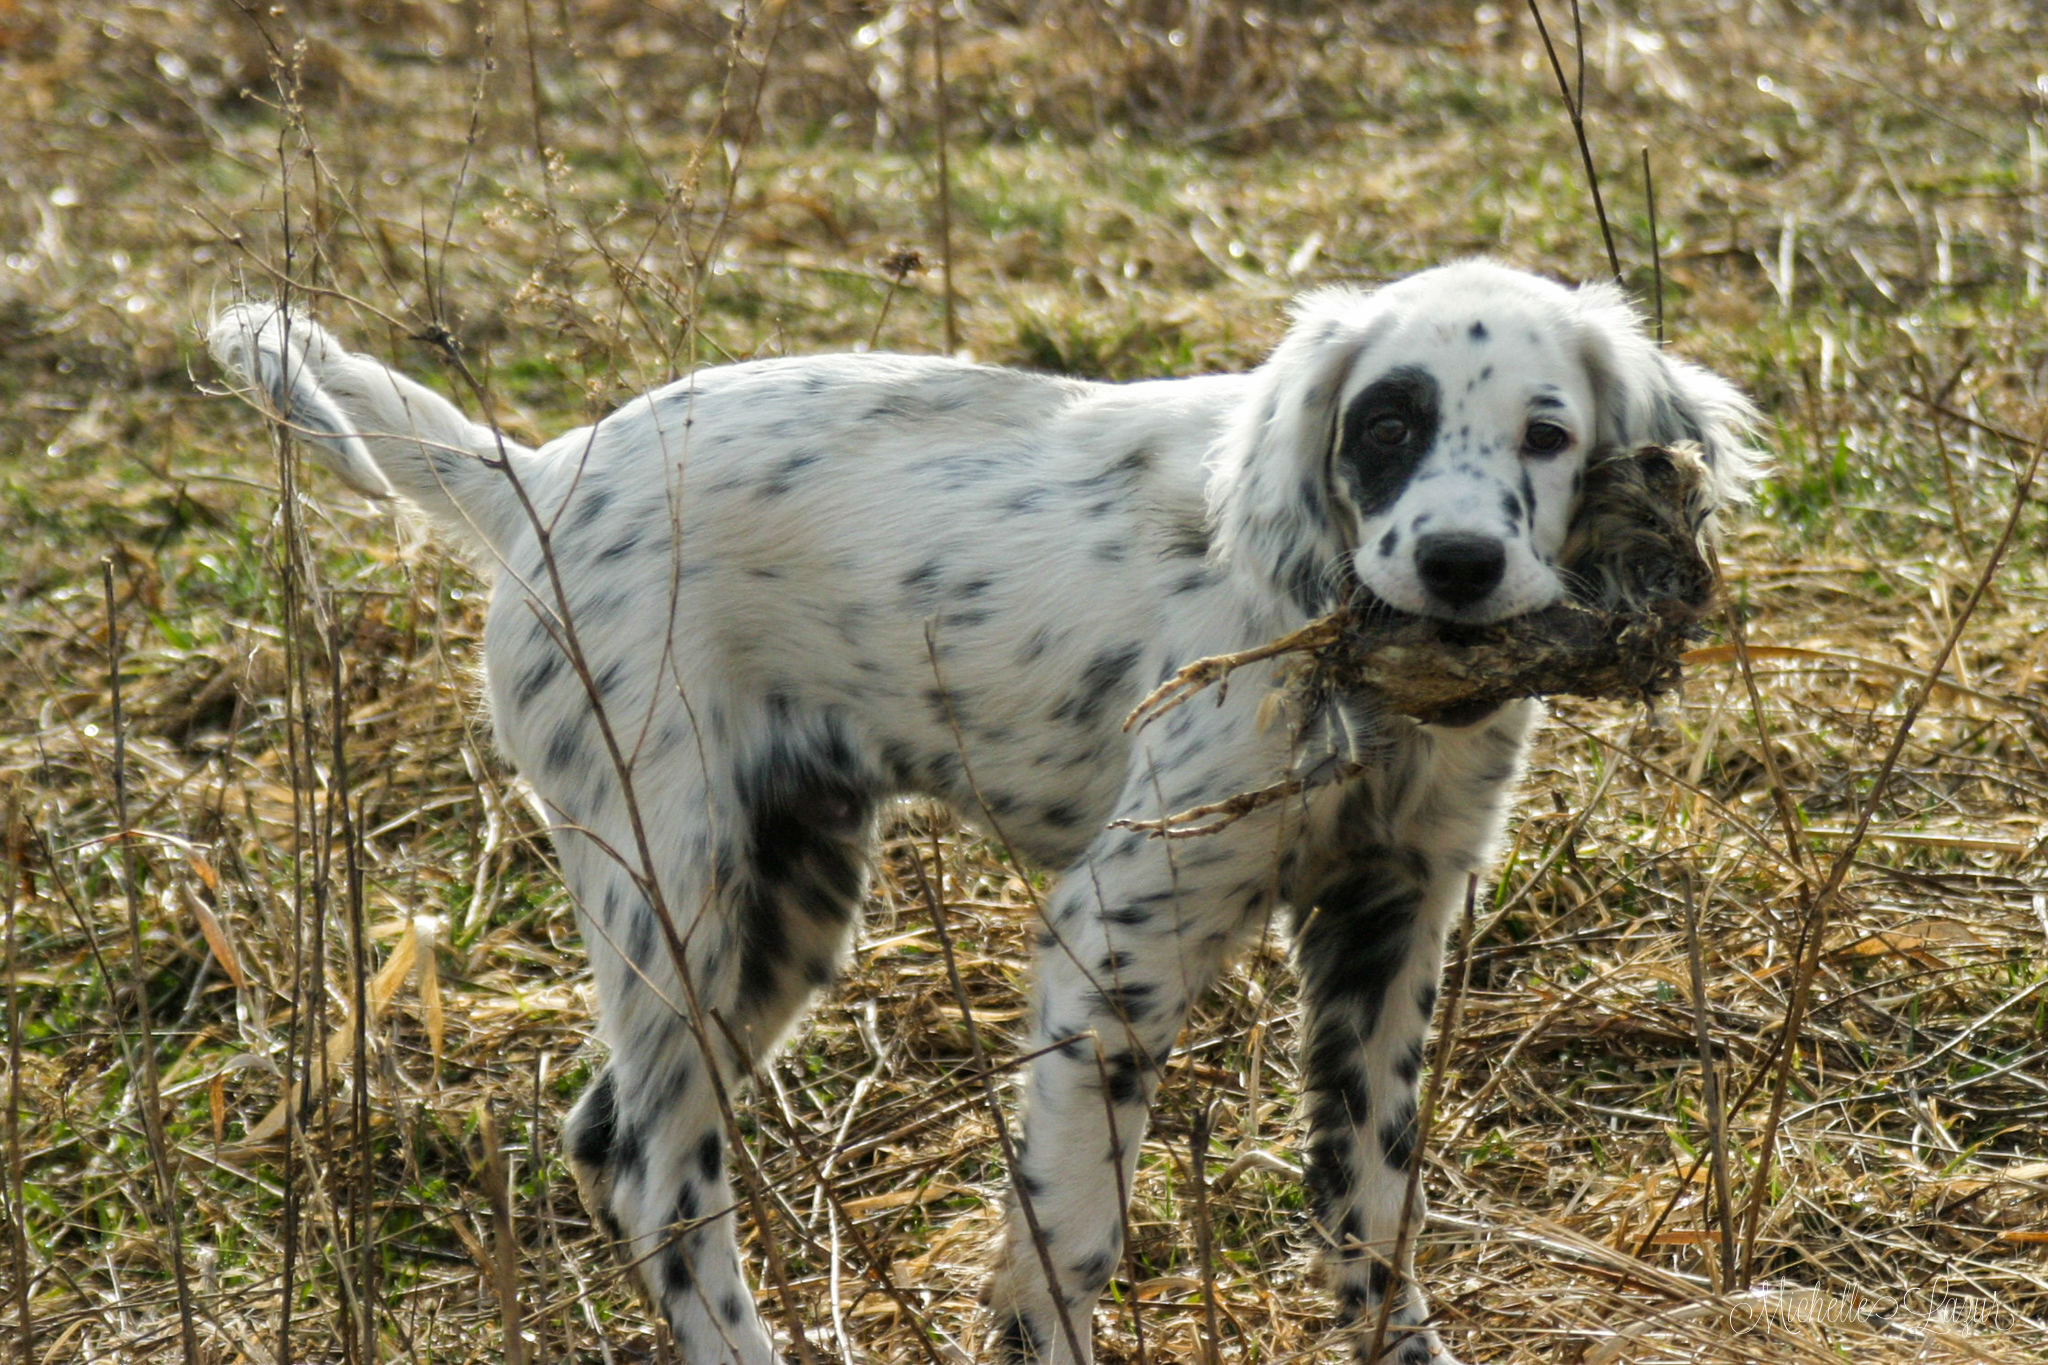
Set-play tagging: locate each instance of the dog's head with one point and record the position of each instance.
(1428, 440)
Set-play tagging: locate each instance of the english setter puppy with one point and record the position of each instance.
(736, 616)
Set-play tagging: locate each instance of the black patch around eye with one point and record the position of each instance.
(1376, 470)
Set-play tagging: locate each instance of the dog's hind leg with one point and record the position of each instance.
(761, 918)
(647, 1139)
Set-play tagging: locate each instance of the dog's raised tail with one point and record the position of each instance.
(382, 433)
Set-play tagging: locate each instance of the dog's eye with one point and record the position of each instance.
(1387, 431)
(1545, 438)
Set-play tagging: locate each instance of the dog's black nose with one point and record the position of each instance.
(1458, 568)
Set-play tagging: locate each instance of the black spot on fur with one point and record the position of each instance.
(590, 507)
(1415, 1351)
(947, 708)
(807, 803)
(899, 760)
(1387, 430)
(1352, 948)
(1126, 468)
(1339, 1078)
(783, 477)
(629, 1154)
(1062, 815)
(595, 1123)
(565, 746)
(1398, 1136)
(1108, 671)
(1131, 1001)
(536, 678)
(732, 1308)
(1123, 1077)
(1190, 540)
(1326, 1173)
(710, 1156)
(1425, 999)
(640, 932)
(619, 548)
(1017, 1341)
(1477, 331)
(1414, 862)
(601, 608)
(675, 1270)
(1092, 1272)
(924, 579)
(1409, 1066)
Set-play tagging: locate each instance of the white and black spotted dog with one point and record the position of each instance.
(739, 614)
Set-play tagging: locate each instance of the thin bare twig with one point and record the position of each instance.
(15, 869)
(1656, 247)
(1208, 818)
(1205, 1251)
(1710, 1091)
(1216, 670)
(1425, 1117)
(941, 118)
(936, 905)
(348, 828)
(1575, 106)
(498, 1188)
(151, 1100)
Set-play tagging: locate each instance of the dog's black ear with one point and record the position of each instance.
(1271, 507)
(1646, 397)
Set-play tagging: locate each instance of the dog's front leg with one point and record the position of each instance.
(1134, 936)
(1370, 954)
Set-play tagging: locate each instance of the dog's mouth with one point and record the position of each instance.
(1455, 624)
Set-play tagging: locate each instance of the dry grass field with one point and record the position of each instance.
(285, 1063)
